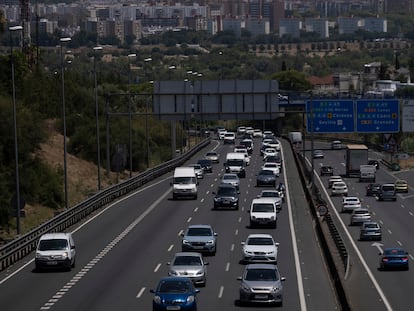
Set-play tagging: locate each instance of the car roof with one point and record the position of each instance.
(199, 226)
(261, 266)
(263, 200)
(55, 235)
(188, 254)
(259, 235)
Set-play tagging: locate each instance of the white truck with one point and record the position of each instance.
(295, 137)
(235, 163)
(184, 183)
(367, 173)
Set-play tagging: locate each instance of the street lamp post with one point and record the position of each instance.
(16, 148)
(98, 145)
(129, 114)
(147, 60)
(65, 166)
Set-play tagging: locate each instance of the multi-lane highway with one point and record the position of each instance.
(123, 250)
(368, 287)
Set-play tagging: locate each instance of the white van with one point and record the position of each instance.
(185, 183)
(55, 250)
(263, 212)
(235, 163)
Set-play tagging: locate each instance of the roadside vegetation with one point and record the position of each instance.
(122, 80)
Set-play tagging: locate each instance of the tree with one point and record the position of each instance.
(292, 80)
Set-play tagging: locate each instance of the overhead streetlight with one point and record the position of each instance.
(129, 113)
(98, 145)
(65, 166)
(147, 60)
(16, 147)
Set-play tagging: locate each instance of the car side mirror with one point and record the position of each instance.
(283, 279)
(239, 278)
(206, 263)
(197, 290)
(168, 263)
(72, 247)
(242, 243)
(277, 243)
(152, 291)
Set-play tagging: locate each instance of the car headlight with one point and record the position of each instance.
(65, 255)
(190, 299)
(200, 272)
(275, 289)
(172, 272)
(272, 218)
(245, 288)
(210, 242)
(157, 299)
(186, 242)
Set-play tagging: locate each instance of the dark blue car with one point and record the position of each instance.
(393, 258)
(174, 293)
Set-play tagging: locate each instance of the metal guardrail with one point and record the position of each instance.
(24, 245)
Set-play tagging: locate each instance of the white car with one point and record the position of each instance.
(259, 248)
(263, 212)
(272, 166)
(249, 130)
(274, 143)
(257, 133)
(55, 250)
(229, 138)
(339, 188)
(269, 152)
(350, 203)
(333, 179)
(277, 195)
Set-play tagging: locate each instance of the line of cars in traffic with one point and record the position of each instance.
(390, 258)
(260, 281)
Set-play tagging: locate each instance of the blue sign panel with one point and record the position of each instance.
(377, 116)
(330, 116)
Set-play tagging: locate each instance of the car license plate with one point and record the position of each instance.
(261, 296)
(173, 308)
(52, 263)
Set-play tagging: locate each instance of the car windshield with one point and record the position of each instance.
(184, 180)
(266, 172)
(53, 245)
(270, 194)
(174, 287)
(211, 154)
(226, 191)
(229, 177)
(388, 188)
(263, 207)
(187, 261)
(394, 252)
(370, 226)
(260, 241)
(261, 275)
(199, 232)
(235, 162)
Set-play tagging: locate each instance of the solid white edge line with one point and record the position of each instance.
(302, 299)
(87, 222)
(351, 240)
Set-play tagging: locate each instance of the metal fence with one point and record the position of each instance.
(24, 245)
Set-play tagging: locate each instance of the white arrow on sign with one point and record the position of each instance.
(378, 245)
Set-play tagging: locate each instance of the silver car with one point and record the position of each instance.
(190, 265)
(360, 215)
(232, 179)
(370, 230)
(198, 169)
(212, 156)
(199, 238)
(261, 283)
